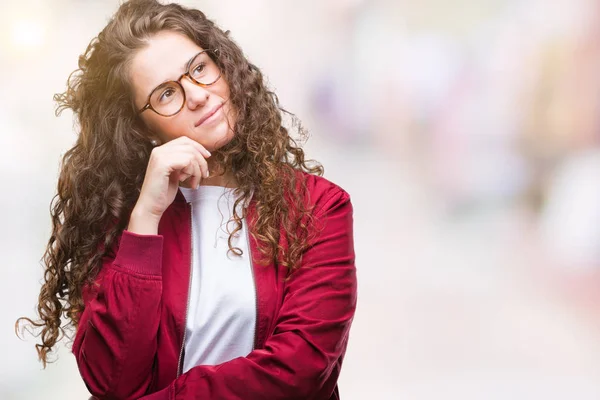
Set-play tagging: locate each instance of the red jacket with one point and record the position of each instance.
(129, 342)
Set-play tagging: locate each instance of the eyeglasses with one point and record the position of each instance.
(168, 98)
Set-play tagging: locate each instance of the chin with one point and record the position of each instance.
(216, 141)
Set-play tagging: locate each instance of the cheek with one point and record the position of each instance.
(166, 128)
(226, 92)
(231, 115)
(222, 89)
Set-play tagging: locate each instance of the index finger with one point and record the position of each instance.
(198, 146)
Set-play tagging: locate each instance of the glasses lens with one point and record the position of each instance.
(167, 99)
(204, 70)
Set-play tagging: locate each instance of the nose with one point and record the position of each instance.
(196, 95)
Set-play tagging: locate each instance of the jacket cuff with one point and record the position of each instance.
(141, 254)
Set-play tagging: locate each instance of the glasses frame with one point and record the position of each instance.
(148, 106)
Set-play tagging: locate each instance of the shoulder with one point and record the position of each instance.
(322, 194)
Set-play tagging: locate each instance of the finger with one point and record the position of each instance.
(183, 176)
(199, 158)
(192, 171)
(181, 157)
(197, 146)
(203, 164)
(170, 160)
(197, 177)
(186, 172)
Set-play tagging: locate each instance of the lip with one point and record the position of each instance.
(209, 114)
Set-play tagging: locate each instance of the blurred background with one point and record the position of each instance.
(468, 135)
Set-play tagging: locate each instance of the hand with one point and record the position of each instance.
(171, 163)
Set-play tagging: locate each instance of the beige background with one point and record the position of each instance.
(466, 133)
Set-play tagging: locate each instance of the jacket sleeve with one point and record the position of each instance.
(115, 342)
(302, 358)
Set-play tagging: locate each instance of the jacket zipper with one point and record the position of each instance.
(254, 281)
(187, 306)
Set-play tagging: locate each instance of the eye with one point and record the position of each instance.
(198, 69)
(166, 94)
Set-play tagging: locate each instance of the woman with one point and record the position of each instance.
(194, 250)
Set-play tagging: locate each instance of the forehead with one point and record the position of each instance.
(164, 58)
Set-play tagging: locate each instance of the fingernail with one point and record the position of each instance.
(207, 173)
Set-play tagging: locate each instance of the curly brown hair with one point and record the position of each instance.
(101, 175)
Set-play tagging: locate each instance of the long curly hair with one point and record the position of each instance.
(101, 175)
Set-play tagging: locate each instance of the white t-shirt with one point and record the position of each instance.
(222, 307)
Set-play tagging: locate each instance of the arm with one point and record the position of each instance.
(301, 360)
(115, 343)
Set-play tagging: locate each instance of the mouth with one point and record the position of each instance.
(209, 114)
